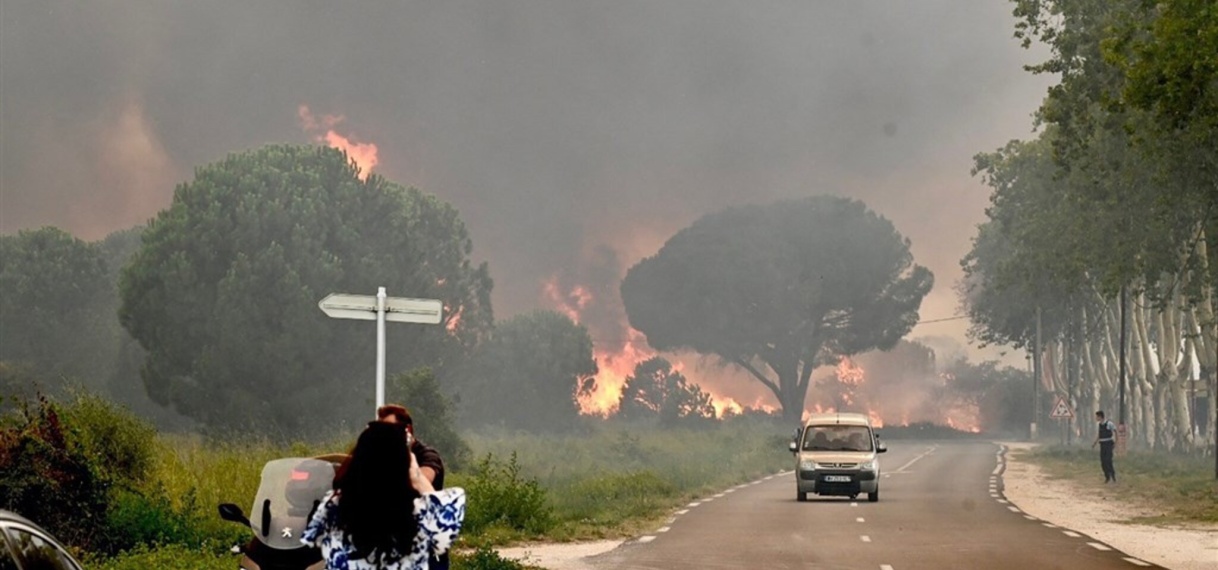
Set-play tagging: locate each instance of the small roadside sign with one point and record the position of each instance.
(1061, 409)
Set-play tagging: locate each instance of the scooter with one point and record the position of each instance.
(290, 492)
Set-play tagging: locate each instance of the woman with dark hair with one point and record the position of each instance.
(360, 524)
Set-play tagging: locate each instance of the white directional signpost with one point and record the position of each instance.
(380, 308)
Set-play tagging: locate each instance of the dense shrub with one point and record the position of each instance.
(77, 468)
(498, 496)
(47, 476)
(432, 413)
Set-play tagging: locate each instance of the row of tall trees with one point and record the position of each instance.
(1112, 209)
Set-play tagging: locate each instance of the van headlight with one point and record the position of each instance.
(808, 465)
(867, 465)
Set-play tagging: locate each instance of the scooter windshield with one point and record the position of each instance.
(290, 491)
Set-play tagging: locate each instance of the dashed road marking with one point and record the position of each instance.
(647, 538)
(663, 529)
(1071, 534)
(1098, 546)
(682, 511)
(1050, 525)
(719, 496)
(865, 538)
(694, 504)
(1003, 501)
(854, 504)
(1013, 509)
(885, 567)
(860, 519)
(1136, 562)
(1030, 517)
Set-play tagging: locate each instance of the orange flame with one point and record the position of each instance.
(364, 155)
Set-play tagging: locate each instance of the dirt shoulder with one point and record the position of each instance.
(559, 556)
(1103, 512)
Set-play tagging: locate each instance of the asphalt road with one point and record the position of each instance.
(940, 507)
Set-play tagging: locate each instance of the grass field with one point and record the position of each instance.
(607, 482)
(1182, 488)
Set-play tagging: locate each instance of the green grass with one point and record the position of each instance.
(620, 478)
(611, 482)
(1180, 488)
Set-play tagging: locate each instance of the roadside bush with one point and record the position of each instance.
(47, 476)
(484, 558)
(432, 413)
(77, 468)
(498, 496)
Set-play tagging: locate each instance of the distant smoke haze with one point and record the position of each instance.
(559, 129)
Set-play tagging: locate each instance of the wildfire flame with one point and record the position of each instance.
(364, 155)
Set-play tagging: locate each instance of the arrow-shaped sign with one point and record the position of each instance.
(397, 309)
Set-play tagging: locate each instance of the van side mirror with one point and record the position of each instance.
(880, 447)
(793, 447)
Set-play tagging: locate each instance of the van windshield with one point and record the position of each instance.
(837, 438)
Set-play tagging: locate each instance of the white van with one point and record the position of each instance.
(837, 454)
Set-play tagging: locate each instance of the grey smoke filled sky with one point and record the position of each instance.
(556, 127)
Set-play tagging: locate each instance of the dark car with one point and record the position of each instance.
(25, 546)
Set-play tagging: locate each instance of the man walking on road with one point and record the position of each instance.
(1107, 440)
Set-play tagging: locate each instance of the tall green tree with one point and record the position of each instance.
(55, 317)
(223, 292)
(655, 390)
(780, 289)
(529, 374)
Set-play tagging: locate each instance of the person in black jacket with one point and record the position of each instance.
(430, 462)
(1106, 438)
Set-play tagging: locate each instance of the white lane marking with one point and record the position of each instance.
(885, 567)
(1030, 517)
(647, 538)
(1013, 509)
(719, 496)
(1136, 562)
(1098, 546)
(997, 470)
(1071, 534)
(915, 460)
(1002, 501)
(1050, 525)
(693, 504)
(860, 519)
(682, 511)
(865, 538)
(663, 529)
(854, 504)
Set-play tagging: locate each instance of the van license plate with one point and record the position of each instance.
(837, 478)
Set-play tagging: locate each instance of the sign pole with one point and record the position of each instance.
(381, 308)
(380, 347)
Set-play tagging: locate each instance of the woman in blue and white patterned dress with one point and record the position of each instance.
(373, 520)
